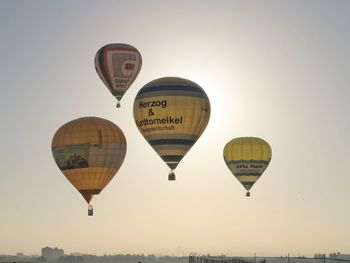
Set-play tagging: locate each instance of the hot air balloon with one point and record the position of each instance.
(89, 151)
(171, 113)
(118, 66)
(247, 158)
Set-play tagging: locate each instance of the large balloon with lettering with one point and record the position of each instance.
(247, 158)
(118, 66)
(89, 151)
(171, 113)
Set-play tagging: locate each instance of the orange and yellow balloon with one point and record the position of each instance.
(118, 66)
(171, 113)
(89, 151)
(247, 158)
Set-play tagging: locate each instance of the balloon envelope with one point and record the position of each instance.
(247, 158)
(89, 151)
(171, 113)
(118, 66)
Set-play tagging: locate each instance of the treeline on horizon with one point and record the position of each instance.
(120, 258)
(137, 258)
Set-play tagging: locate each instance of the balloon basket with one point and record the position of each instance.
(90, 210)
(118, 105)
(171, 176)
(247, 194)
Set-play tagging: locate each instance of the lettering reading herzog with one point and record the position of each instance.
(154, 103)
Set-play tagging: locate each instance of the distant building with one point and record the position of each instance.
(20, 254)
(52, 253)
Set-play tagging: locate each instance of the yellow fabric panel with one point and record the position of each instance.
(243, 179)
(171, 152)
(104, 155)
(90, 178)
(247, 148)
(182, 115)
(88, 130)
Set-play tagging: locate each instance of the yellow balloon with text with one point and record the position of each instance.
(247, 158)
(171, 113)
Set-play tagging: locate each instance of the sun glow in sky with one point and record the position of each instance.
(278, 70)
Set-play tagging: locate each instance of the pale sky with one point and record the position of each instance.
(279, 70)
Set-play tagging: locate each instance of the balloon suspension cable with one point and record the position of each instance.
(118, 104)
(172, 176)
(247, 194)
(90, 210)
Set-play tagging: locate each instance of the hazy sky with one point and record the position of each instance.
(279, 70)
